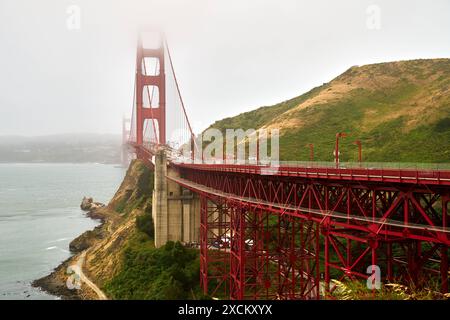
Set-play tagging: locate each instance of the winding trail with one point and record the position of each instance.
(78, 269)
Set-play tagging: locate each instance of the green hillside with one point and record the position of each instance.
(399, 110)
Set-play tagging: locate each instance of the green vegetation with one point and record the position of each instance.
(126, 206)
(138, 196)
(146, 272)
(357, 290)
(144, 223)
(169, 272)
(400, 111)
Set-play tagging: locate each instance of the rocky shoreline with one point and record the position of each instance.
(99, 252)
(55, 283)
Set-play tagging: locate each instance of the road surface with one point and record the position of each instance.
(78, 269)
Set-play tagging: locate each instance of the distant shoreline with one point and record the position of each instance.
(60, 162)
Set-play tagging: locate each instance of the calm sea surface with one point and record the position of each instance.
(40, 215)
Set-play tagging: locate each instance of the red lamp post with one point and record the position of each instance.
(257, 147)
(358, 143)
(336, 149)
(311, 151)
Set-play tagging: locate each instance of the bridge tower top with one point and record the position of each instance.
(150, 88)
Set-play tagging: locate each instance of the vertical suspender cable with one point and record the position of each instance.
(179, 94)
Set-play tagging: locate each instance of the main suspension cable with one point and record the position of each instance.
(179, 94)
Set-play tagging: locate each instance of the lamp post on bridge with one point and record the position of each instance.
(311, 151)
(336, 149)
(358, 143)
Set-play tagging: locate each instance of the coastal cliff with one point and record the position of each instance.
(103, 247)
(118, 260)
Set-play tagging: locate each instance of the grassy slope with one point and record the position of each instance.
(400, 111)
(259, 117)
(126, 264)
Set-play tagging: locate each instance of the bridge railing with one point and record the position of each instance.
(329, 164)
(368, 165)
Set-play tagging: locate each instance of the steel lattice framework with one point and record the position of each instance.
(290, 235)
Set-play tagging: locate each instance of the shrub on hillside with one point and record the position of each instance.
(169, 272)
(144, 223)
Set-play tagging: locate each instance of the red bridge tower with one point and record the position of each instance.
(145, 79)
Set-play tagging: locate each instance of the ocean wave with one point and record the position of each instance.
(58, 240)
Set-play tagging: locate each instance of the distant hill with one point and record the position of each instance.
(74, 148)
(399, 110)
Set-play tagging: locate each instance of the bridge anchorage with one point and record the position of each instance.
(285, 233)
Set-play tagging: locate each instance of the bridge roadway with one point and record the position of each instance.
(327, 171)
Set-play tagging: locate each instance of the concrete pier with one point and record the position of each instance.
(175, 210)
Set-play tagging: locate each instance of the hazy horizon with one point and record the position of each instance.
(62, 134)
(230, 57)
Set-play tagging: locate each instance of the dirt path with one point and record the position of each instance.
(78, 269)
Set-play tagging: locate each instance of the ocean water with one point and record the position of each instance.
(40, 215)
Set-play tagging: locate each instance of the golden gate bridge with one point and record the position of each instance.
(293, 228)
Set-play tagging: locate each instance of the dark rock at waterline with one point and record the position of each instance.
(55, 285)
(80, 243)
(85, 240)
(96, 215)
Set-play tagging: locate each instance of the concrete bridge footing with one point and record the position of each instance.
(175, 210)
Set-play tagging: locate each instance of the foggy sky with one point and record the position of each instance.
(230, 56)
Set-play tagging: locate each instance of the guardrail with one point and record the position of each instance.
(326, 164)
(429, 174)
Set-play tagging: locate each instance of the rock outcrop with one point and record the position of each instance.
(88, 204)
(86, 240)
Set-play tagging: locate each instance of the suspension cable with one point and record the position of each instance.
(132, 120)
(179, 94)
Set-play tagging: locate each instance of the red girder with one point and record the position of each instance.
(362, 222)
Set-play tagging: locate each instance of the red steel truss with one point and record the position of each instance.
(214, 226)
(244, 255)
(291, 236)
